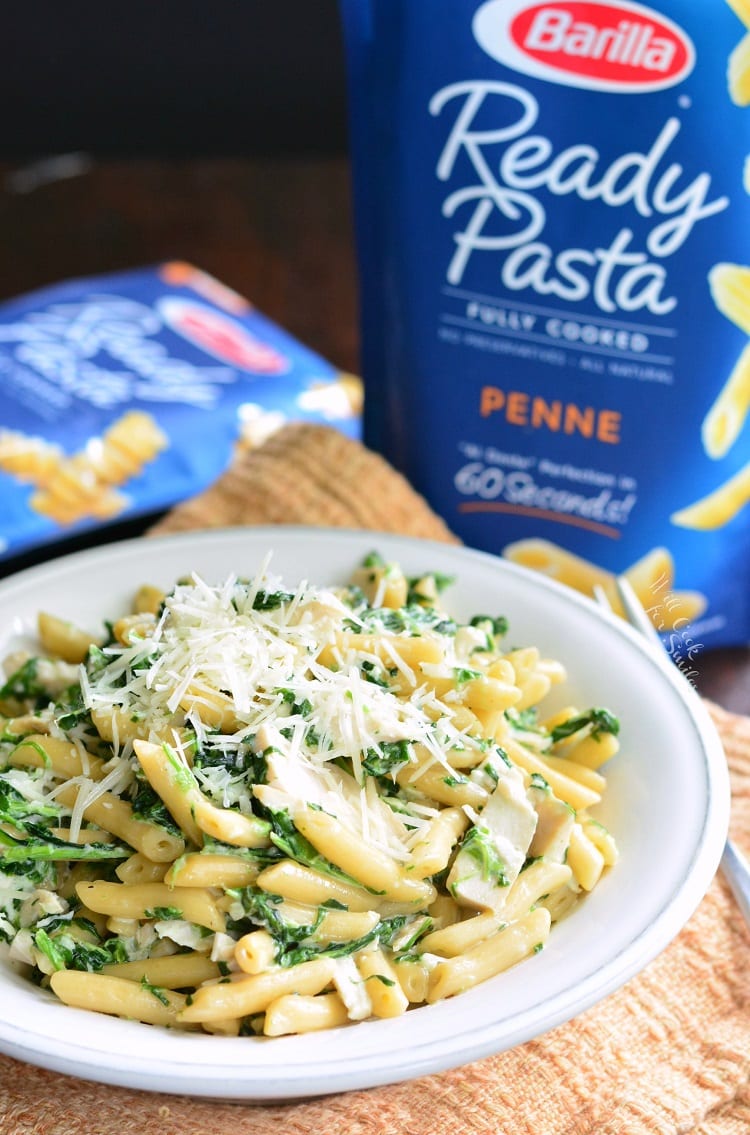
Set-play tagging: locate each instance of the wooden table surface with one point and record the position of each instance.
(277, 230)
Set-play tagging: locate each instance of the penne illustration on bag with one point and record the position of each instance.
(553, 227)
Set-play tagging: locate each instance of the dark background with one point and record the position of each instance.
(172, 77)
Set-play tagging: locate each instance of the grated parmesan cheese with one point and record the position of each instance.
(249, 652)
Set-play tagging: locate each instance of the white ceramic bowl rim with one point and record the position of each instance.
(575, 971)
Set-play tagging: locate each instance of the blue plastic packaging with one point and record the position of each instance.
(553, 225)
(123, 394)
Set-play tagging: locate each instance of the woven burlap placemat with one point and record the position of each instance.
(668, 1054)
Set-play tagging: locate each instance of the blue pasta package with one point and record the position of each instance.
(124, 394)
(553, 224)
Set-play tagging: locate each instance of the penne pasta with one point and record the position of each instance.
(253, 994)
(118, 997)
(175, 971)
(295, 1013)
(584, 859)
(386, 995)
(295, 881)
(491, 956)
(172, 779)
(375, 871)
(139, 869)
(63, 639)
(116, 816)
(433, 851)
(152, 901)
(255, 952)
(66, 759)
(211, 870)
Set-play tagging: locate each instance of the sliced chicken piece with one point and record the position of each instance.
(555, 823)
(494, 849)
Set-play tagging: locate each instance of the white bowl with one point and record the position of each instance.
(667, 804)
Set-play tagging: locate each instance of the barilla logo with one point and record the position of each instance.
(218, 335)
(622, 47)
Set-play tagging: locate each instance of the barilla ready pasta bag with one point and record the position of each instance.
(553, 214)
(123, 394)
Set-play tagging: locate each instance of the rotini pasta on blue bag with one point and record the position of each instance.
(553, 221)
(123, 394)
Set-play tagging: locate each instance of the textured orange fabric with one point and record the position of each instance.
(669, 1054)
(310, 475)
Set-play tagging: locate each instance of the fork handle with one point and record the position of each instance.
(737, 874)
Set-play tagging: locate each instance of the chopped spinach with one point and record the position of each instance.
(14, 806)
(148, 806)
(392, 756)
(525, 719)
(600, 720)
(66, 952)
(383, 933)
(271, 600)
(480, 846)
(412, 620)
(155, 990)
(494, 626)
(25, 685)
(462, 675)
(164, 913)
(70, 710)
(374, 673)
(416, 583)
(243, 761)
(41, 845)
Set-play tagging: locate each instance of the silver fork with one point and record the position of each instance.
(734, 865)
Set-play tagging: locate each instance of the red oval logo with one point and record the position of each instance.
(219, 335)
(610, 42)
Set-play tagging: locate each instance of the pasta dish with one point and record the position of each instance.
(256, 808)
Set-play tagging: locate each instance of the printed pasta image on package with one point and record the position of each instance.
(126, 393)
(553, 226)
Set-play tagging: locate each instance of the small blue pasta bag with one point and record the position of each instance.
(121, 395)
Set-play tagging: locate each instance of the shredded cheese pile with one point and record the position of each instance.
(255, 648)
